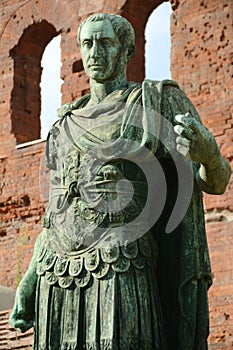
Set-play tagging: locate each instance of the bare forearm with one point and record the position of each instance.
(214, 177)
(30, 275)
(29, 280)
(22, 316)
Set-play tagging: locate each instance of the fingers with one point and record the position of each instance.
(187, 120)
(21, 326)
(17, 321)
(183, 141)
(185, 131)
(187, 135)
(183, 145)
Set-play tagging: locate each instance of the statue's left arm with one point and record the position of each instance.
(193, 139)
(23, 313)
(197, 141)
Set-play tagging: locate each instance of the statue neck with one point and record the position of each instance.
(99, 90)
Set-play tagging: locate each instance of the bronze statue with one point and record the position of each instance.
(105, 273)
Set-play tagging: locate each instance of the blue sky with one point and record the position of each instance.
(158, 43)
(157, 53)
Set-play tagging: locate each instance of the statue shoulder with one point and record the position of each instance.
(154, 93)
(67, 108)
(172, 99)
(159, 84)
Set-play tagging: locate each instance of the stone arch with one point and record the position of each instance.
(57, 13)
(25, 95)
(138, 12)
(23, 40)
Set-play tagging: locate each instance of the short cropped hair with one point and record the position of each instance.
(122, 28)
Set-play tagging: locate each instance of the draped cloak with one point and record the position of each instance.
(144, 293)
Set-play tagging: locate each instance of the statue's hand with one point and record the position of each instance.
(21, 317)
(195, 140)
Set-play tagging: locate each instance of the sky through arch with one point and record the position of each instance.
(158, 43)
(50, 84)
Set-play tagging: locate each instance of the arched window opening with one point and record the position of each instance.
(25, 96)
(158, 43)
(50, 85)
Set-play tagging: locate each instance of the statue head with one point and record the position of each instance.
(107, 43)
(122, 28)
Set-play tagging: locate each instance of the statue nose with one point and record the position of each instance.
(95, 50)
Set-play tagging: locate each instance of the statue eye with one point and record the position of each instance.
(87, 43)
(106, 42)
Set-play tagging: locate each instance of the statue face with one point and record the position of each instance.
(100, 49)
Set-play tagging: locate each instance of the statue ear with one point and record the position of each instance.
(130, 52)
(123, 57)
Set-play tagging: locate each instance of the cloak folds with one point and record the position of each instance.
(183, 269)
(184, 274)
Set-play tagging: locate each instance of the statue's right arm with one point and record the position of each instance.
(23, 313)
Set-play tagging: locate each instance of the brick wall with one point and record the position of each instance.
(24, 194)
(202, 64)
(11, 339)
